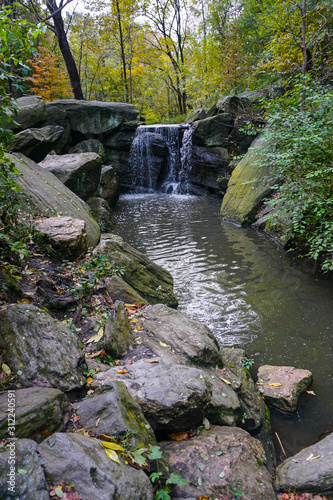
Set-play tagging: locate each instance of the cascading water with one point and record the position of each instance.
(160, 159)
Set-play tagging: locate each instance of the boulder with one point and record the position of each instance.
(77, 459)
(172, 398)
(45, 193)
(207, 165)
(121, 140)
(79, 172)
(94, 117)
(38, 345)
(58, 117)
(102, 213)
(117, 332)
(36, 143)
(213, 131)
(109, 185)
(88, 146)
(38, 411)
(223, 462)
(31, 111)
(151, 281)
(282, 386)
(117, 414)
(224, 406)
(187, 337)
(28, 479)
(118, 289)
(249, 185)
(66, 235)
(198, 114)
(311, 470)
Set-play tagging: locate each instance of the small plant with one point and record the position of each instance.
(247, 363)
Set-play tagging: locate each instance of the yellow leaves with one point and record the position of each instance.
(6, 369)
(274, 384)
(112, 455)
(112, 446)
(121, 372)
(225, 381)
(97, 337)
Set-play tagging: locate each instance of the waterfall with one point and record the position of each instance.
(160, 159)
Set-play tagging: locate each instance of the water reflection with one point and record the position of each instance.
(247, 290)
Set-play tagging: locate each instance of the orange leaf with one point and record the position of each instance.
(311, 392)
(89, 379)
(178, 436)
(121, 371)
(47, 432)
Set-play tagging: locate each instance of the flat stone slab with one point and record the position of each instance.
(281, 386)
(311, 470)
(77, 459)
(38, 410)
(66, 235)
(222, 463)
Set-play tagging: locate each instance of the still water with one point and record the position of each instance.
(247, 290)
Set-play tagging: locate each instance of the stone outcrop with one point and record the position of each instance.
(79, 172)
(220, 463)
(37, 345)
(151, 281)
(282, 386)
(45, 193)
(79, 460)
(36, 143)
(39, 412)
(311, 470)
(66, 235)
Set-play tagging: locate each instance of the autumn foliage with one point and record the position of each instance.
(49, 80)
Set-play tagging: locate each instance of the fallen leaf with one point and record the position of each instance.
(121, 371)
(46, 432)
(112, 455)
(58, 491)
(136, 460)
(275, 384)
(164, 345)
(311, 392)
(311, 457)
(96, 337)
(96, 354)
(152, 361)
(222, 474)
(178, 436)
(89, 380)
(76, 418)
(128, 362)
(112, 446)
(206, 424)
(6, 369)
(203, 498)
(139, 328)
(225, 381)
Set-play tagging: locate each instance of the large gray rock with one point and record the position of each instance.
(66, 235)
(311, 470)
(172, 398)
(117, 332)
(207, 165)
(56, 116)
(151, 281)
(102, 213)
(80, 172)
(37, 345)
(213, 131)
(36, 143)
(121, 140)
(29, 479)
(118, 289)
(46, 194)
(94, 117)
(198, 114)
(88, 146)
(187, 337)
(282, 386)
(109, 185)
(116, 413)
(31, 111)
(249, 185)
(72, 458)
(37, 410)
(220, 463)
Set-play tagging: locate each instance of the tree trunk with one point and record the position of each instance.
(122, 48)
(65, 49)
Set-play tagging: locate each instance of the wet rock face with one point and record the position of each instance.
(29, 485)
(311, 470)
(80, 172)
(66, 235)
(72, 458)
(221, 463)
(282, 386)
(37, 410)
(37, 345)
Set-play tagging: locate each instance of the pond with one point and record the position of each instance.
(248, 290)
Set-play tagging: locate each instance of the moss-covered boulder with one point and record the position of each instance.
(37, 345)
(151, 281)
(249, 184)
(46, 194)
(39, 411)
(118, 289)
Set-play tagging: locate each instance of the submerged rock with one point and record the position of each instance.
(37, 345)
(45, 193)
(38, 410)
(282, 386)
(72, 458)
(66, 235)
(30, 483)
(311, 470)
(151, 281)
(221, 463)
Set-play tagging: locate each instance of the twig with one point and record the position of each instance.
(281, 445)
